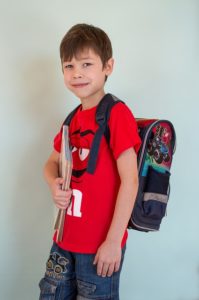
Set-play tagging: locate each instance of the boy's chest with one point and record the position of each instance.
(82, 131)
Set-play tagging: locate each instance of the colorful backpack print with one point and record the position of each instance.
(154, 163)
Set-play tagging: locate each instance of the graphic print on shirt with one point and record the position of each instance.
(96, 194)
(80, 141)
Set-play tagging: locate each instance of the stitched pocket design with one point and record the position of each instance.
(48, 289)
(86, 287)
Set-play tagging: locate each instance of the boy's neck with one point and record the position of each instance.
(92, 100)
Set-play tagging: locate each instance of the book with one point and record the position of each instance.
(65, 171)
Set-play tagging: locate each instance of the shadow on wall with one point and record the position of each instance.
(32, 213)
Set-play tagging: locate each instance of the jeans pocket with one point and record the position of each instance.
(155, 195)
(47, 289)
(85, 288)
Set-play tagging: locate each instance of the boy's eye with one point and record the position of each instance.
(87, 65)
(83, 153)
(68, 67)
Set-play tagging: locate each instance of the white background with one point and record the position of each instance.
(156, 53)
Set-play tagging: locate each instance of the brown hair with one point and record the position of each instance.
(82, 36)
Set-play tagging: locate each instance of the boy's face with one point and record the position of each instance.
(85, 75)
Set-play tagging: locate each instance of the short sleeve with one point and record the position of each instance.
(57, 141)
(123, 130)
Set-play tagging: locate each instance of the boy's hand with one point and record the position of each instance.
(108, 258)
(61, 198)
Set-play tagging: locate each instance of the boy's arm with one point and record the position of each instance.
(51, 168)
(109, 253)
(51, 174)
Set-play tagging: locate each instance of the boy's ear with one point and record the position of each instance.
(109, 66)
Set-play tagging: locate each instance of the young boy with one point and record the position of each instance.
(87, 263)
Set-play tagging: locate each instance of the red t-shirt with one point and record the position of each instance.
(89, 216)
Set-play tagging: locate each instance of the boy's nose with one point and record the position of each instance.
(77, 74)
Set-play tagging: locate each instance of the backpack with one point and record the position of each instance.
(154, 163)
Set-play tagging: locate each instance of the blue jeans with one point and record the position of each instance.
(72, 276)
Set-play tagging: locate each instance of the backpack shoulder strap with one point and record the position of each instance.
(70, 116)
(102, 118)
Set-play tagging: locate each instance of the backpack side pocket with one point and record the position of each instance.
(155, 195)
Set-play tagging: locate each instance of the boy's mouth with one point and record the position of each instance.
(79, 85)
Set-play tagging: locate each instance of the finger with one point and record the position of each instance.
(111, 270)
(59, 194)
(63, 203)
(62, 206)
(99, 268)
(59, 180)
(68, 193)
(105, 268)
(117, 266)
(60, 199)
(95, 259)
